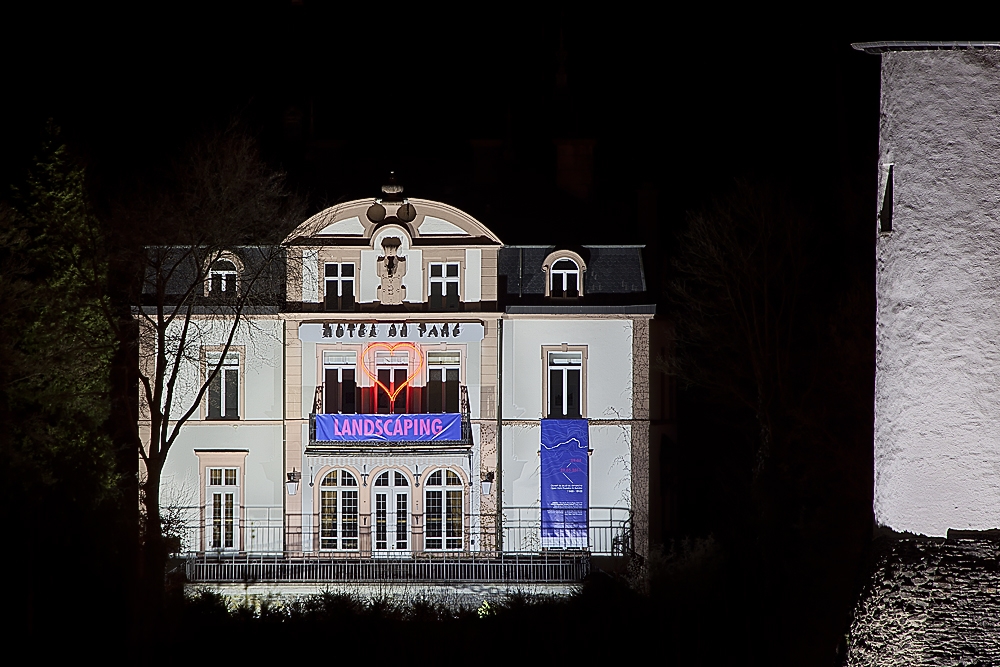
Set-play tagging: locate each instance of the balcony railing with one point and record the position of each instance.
(465, 440)
(264, 531)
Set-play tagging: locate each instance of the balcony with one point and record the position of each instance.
(260, 547)
(453, 440)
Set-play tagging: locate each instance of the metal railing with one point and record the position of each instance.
(264, 531)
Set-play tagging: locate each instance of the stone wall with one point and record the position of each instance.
(930, 601)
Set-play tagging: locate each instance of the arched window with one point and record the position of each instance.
(443, 511)
(565, 278)
(391, 503)
(338, 522)
(565, 270)
(222, 278)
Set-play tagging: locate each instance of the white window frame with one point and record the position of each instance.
(548, 366)
(222, 487)
(232, 361)
(338, 280)
(336, 540)
(444, 279)
(444, 537)
(396, 539)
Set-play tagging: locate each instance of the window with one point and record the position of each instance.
(392, 369)
(391, 502)
(338, 522)
(340, 387)
(565, 270)
(442, 381)
(885, 215)
(222, 512)
(565, 277)
(224, 386)
(443, 511)
(565, 385)
(339, 286)
(222, 278)
(443, 286)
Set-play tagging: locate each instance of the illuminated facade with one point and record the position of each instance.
(395, 405)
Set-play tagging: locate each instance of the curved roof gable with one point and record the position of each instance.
(435, 221)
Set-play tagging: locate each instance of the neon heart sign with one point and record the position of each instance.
(391, 347)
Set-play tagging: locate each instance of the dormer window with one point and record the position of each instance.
(565, 270)
(222, 278)
(565, 276)
(339, 284)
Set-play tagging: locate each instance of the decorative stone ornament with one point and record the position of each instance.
(391, 269)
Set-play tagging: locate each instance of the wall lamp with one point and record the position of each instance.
(487, 482)
(292, 482)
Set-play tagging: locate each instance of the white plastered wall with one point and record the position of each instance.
(937, 389)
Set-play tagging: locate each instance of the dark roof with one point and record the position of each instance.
(181, 266)
(611, 269)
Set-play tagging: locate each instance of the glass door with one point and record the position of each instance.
(391, 524)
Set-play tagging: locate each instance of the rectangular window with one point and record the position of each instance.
(443, 381)
(565, 379)
(443, 289)
(224, 386)
(339, 286)
(392, 369)
(340, 386)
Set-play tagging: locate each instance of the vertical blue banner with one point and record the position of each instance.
(565, 475)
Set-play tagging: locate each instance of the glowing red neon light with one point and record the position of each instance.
(391, 347)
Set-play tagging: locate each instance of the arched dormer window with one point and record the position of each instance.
(565, 271)
(223, 273)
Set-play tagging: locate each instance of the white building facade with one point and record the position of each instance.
(393, 407)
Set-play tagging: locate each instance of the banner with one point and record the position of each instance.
(565, 475)
(365, 428)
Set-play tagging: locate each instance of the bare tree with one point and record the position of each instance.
(736, 293)
(212, 266)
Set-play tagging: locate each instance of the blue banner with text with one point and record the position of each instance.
(565, 476)
(410, 428)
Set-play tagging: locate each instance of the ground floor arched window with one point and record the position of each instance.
(338, 511)
(443, 511)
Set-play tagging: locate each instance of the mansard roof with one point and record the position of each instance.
(611, 269)
(435, 223)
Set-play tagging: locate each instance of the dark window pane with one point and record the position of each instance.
(573, 393)
(232, 394)
(215, 397)
(451, 390)
(385, 377)
(399, 378)
(347, 290)
(452, 271)
(331, 392)
(434, 402)
(436, 300)
(349, 401)
(571, 287)
(564, 265)
(347, 270)
(331, 270)
(452, 298)
(330, 302)
(555, 394)
(435, 270)
(216, 283)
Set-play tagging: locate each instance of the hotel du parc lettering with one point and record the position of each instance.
(415, 393)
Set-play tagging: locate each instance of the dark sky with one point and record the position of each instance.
(678, 108)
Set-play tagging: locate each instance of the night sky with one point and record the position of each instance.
(339, 99)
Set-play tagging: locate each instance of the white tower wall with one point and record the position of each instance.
(937, 389)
